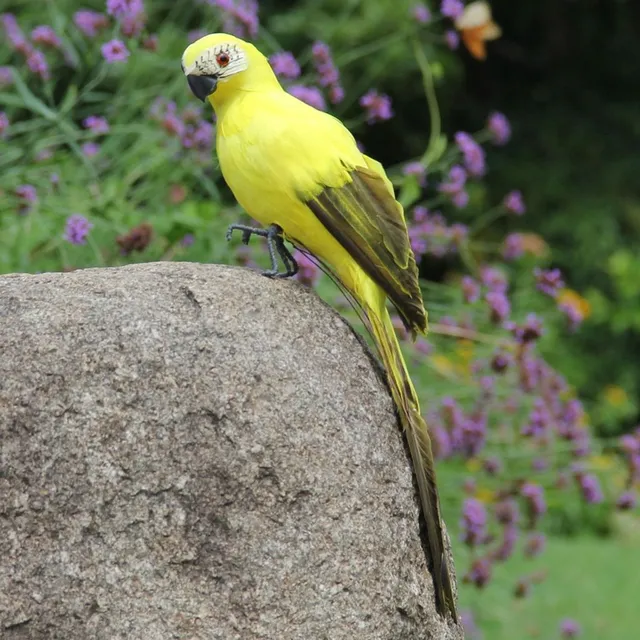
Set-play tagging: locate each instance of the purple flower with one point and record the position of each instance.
(534, 495)
(285, 65)
(539, 464)
(38, 64)
(452, 417)
(6, 77)
(472, 435)
(27, 195)
(97, 124)
(197, 137)
(311, 95)
(499, 306)
(514, 203)
(123, 8)
(473, 522)
(479, 573)
(174, 126)
(501, 361)
(326, 69)
(458, 233)
(240, 16)
(336, 94)
(377, 106)
(421, 13)
(132, 25)
(513, 246)
(455, 180)
(499, 127)
(90, 149)
(630, 444)
(574, 315)
(423, 347)
(187, 240)
(548, 281)
(15, 35)
(590, 488)
(530, 331)
(417, 169)
(452, 39)
(460, 200)
(90, 22)
(451, 8)
(420, 214)
(470, 627)
(535, 545)
(626, 501)
(494, 279)
(46, 36)
(570, 628)
(309, 272)
(470, 289)
(507, 545)
(114, 51)
(539, 420)
(507, 512)
(472, 152)
(4, 124)
(492, 465)
(77, 229)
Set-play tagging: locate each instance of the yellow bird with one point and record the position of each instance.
(299, 172)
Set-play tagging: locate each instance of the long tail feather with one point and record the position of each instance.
(419, 443)
(379, 326)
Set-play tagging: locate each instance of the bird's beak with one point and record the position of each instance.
(202, 86)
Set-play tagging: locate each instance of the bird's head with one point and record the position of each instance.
(220, 65)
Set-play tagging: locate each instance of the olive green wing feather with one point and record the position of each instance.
(367, 220)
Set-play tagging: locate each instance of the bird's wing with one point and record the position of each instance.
(367, 220)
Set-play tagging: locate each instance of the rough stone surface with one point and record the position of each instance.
(197, 452)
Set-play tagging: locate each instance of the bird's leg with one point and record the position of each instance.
(275, 244)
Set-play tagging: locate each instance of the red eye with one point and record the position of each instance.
(222, 59)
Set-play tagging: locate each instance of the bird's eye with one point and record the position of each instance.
(222, 59)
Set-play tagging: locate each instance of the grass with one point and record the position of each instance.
(595, 581)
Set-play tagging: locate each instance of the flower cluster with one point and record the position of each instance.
(285, 65)
(429, 234)
(630, 448)
(328, 74)
(77, 229)
(239, 17)
(377, 106)
(189, 126)
(35, 58)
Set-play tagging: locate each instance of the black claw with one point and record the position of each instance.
(276, 246)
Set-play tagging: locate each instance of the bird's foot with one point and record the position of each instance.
(276, 246)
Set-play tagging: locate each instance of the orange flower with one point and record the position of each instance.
(534, 244)
(573, 299)
(476, 26)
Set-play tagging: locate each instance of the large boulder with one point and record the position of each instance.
(198, 452)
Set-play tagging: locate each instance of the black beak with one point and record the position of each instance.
(202, 86)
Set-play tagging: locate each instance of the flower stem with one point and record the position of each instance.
(432, 152)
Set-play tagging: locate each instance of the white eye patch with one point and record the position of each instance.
(222, 60)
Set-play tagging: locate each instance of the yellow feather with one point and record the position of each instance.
(291, 165)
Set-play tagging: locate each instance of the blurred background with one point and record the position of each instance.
(510, 131)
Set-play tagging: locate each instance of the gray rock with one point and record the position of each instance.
(198, 452)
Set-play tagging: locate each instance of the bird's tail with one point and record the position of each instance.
(415, 428)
